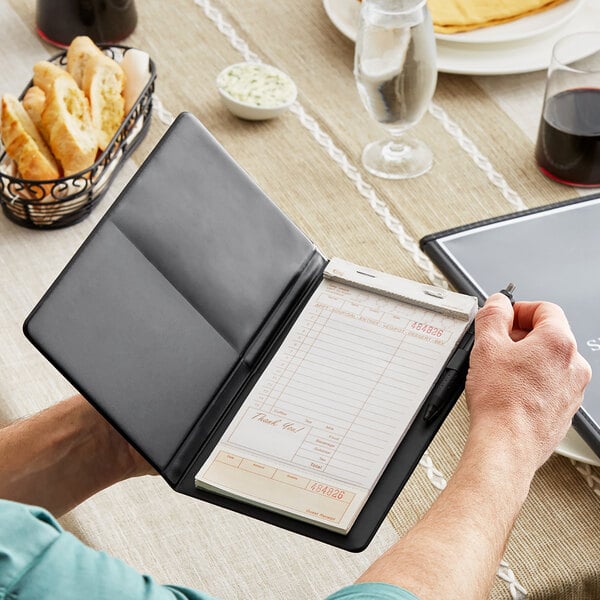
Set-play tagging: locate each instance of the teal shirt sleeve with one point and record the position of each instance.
(38, 559)
(372, 591)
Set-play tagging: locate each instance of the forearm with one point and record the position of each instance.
(525, 382)
(61, 456)
(454, 551)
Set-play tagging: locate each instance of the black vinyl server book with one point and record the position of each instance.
(247, 368)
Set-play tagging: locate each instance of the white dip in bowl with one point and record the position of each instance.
(256, 91)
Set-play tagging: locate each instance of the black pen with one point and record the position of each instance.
(508, 292)
(455, 372)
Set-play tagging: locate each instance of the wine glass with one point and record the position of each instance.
(396, 74)
(568, 144)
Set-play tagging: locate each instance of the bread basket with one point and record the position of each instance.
(56, 203)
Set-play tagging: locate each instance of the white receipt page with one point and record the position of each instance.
(317, 430)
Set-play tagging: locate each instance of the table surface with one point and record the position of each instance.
(481, 130)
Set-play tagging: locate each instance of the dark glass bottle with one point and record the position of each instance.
(109, 21)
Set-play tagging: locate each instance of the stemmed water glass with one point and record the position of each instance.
(396, 74)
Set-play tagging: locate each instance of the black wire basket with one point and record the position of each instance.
(56, 203)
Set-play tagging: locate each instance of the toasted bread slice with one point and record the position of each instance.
(67, 120)
(33, 102)
(81, 50)
(24, 143)
(44, 74)
(103, 83)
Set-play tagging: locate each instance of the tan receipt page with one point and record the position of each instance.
(317, 430)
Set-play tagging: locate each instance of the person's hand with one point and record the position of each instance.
(63, 455)
(526, 378)
(125, 457)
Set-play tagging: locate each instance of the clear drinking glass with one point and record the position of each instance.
(396, 74)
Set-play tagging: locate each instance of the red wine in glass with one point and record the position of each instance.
(108, 21)
(568, 146)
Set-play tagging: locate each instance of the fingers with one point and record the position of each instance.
(531, 315)
(499, 317)
(495, 317)
(547, 324)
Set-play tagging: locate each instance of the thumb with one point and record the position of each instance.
(496, 317)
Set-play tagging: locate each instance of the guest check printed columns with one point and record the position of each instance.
(319, 427)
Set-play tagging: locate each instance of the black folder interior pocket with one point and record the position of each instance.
(218, 238)
(141, 324)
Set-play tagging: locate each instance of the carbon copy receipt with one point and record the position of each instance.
(317, 430)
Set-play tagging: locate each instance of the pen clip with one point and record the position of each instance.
(451, 382)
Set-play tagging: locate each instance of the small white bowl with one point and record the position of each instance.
(256, 91)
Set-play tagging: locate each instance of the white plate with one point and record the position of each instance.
(482, 59)
(574, 447)
(344, 15)
(523, 56)
(520, 29)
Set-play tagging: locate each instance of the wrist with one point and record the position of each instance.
(63, 455)
(520, 434)
(500, 459)
(100, 438)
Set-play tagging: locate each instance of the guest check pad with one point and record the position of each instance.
(316, 431)
(248, 369)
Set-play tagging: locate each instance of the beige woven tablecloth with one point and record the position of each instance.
(306, 164)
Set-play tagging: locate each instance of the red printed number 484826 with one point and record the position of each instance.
(327, 490)
(425, 328)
